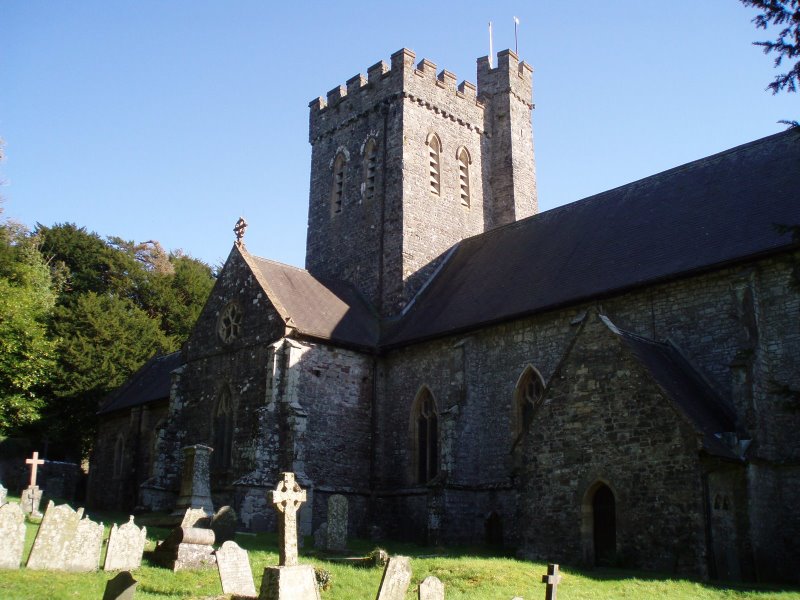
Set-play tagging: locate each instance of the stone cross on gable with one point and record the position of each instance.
(34, 462)
(552, 579)
(287, 498)
(238, 229)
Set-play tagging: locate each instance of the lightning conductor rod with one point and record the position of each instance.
(516, 42)
(490, 45)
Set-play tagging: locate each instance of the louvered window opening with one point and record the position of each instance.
(434, 150)
(338, 185)
(371, 165)
(463, 176)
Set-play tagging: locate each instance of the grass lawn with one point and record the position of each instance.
(466, 575)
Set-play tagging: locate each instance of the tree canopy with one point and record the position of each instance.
(786, 15)
(78, 315)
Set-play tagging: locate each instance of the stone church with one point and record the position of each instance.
(615, 381)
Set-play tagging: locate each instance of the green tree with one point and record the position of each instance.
(103, 339)
(785, 14)
(26, 354)
(87, 262)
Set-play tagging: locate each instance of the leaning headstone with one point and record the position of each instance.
(83, 552)
(431, 588)
(3, 494)
(186, 548)
(31, 496)
(289, 580)
(12, 534)
(121, 587)
(224, 525)
(195, 517)
(195, 482)
(337, 523)
(321, 536)
(396, 577)
(55, 535)
(234, 571)
(125, 547)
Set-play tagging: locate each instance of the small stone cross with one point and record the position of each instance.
(552, 579)
(238, 229)
(287, 498)
(34, 462)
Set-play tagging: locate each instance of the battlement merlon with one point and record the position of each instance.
(384, 82)
(509, 75)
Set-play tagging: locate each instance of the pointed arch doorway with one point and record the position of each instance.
(599, 527)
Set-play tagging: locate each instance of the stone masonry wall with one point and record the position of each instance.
(473, 377)
(389, 245)
(603, 419)
(214, 368)
(110, 489)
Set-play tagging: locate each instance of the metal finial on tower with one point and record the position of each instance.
(490, 44)
(516, 43)
(238, 229)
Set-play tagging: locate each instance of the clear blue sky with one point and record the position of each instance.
(167, 120)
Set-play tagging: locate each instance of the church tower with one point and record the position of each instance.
(405, 163)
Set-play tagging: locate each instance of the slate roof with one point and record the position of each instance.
(685, 387)
(149, 384)
(330, 310)
(695, 217)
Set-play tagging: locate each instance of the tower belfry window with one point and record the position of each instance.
(434, 161)
(463, 176)
(337, 197)
(370, 165)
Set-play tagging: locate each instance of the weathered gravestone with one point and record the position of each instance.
(121, 587)
(396, 577)
(337, 523)
(289, 580)
(224, 525)
(54, 538)
(186, 548)
(234, 571)
(321, 536)
(431, 588)
(552, 579)
(83, 552)
(3, 494)
(31, 496)
(125, 547)
(12, 535)
(195, 517)
(195, 482)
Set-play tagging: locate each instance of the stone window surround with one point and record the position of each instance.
(434, 145)
(527, 396)
(370, 168)
(424, 401)
(464, 160)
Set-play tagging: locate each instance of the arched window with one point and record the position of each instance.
(434, 156)
(527, 396)
(370, 165)
(119, 455)
(426, 438)
(337, 195)
(463, 175)
(223, 431)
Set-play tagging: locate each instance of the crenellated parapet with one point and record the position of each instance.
(509, 76)
(401, 80)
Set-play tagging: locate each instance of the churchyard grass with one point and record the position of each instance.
(466, 573)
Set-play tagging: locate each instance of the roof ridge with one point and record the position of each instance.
(600, 195)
